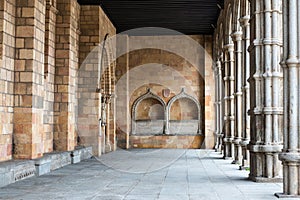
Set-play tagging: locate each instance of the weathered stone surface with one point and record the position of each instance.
(23, 170)
(75, 156)
(167, 141)
(85, 153)
(13, 171)
(6, 174)
(159, 70)
(186, 177)
(59, 160)
(43, 165)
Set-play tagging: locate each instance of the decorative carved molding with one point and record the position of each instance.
(166, 107)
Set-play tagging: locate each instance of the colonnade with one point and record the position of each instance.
(256, 54)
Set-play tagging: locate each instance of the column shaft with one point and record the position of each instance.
(244, 21)
(218, 112)
(265, 83)
(229, 102)
(290, 155)
(237, 39)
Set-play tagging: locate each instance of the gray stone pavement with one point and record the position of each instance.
(145, 174)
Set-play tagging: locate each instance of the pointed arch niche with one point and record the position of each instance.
(184, 115)
(148, 115)
(152, 116)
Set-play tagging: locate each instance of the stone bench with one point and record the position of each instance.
(16, 170)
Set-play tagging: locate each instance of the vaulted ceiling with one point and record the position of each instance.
(185, 16)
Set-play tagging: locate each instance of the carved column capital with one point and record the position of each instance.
(237, 36)
(244, 21)
(228, 47)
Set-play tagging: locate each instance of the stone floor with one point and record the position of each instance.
(145, 174)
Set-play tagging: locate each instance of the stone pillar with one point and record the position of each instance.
(122, 92)
(221, 105)
(290, 155)
(67, 59)
(229, 102)
(265, 90)
(218, 106)
(89, 103)
(29, 79)
(49, 74)
(113, 100)
(237, 39)
(244, 21)
(7, 62)
(108, 146)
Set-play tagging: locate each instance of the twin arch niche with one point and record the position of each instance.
(160, 120)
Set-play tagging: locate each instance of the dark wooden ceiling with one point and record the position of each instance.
(185, 16)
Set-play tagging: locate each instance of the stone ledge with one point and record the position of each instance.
(16, 170)
(85, 152)
(59, 159)
(266, 180)
(43, 165)
(12, 171)
(282, 195)
(75, 156)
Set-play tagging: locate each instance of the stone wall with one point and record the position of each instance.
(41, 48)
(44, 46)
(160, 69)
(166, 141)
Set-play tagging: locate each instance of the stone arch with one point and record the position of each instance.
(105, 70)
(183, 95)
(244, 8)
(228, 25)
(220, 40)
(148, 95)
(236, 13)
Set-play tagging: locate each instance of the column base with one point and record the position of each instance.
(108, 148)
(228, 158)
(244, 168)
(236, 162)
(282, 195)
(266, 180)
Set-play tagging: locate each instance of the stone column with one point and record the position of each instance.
(220, 103)
(229, 102)
(216, 108)
(89, 103)
(7, 57)
(290, 155)
(112, 63)
(67, 64)
(237, 39)
(49, 74)
(107, 127)
(122, 92)
(217, 115)
(244, 21)
(218, 111)
(29, 79)
(265, 84)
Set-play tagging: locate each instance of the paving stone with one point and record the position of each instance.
(206, 178)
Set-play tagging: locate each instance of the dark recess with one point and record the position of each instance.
(185, 16)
